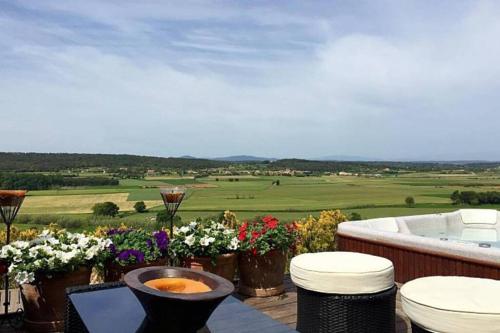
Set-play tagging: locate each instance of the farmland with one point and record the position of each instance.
(293, 198)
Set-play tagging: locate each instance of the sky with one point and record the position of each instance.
(392, 80)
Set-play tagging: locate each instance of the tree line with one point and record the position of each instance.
(50, 162)
(66, 161)
(30, 181)
(475, 198)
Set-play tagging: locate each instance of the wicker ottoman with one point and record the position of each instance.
(452, 304)
(344, 292)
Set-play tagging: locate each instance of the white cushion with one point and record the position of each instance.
(384, 224)
(479, 216)
(453, 304)
(342, 273)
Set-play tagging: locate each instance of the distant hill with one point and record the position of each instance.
(244, 158)
(62, 161)
(349, 158)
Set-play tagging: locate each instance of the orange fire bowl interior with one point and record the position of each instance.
(11, 197)
(178, 285)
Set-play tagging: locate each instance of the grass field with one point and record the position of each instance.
(295, 197)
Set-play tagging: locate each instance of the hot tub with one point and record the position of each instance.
(465, 242)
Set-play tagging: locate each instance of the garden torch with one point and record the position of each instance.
(172, 198)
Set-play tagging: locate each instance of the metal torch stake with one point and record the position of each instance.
(6, 303)
(171, 234)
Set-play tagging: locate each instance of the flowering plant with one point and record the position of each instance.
(209, 239)
(319, 234)
(267, 233)
(133, 246)
(52, 252)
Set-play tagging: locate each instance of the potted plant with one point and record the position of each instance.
(45, 266)
(264, 244)
(208, 246)
(134, 248)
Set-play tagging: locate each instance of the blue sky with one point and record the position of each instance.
(381, 79)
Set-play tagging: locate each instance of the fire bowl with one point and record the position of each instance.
(177, 312)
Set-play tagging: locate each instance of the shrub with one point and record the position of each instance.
(318, 235)
(105, 209)
(410, 201)
(140, 207)
(230, 220)
(475, 198)
(163, 219)
(355, 217)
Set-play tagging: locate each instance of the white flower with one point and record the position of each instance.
(9, 250)
(51, 262)
(92, 252)
(41, 249)
(234, 244)
(189, 240)
(193, 225)
(184, 229)
(65, 257)
(227, 231)
(52, 241)
(24, 277)
(83, 242)
(20, 244)
(205, 241)
(38, 263)
(12, 267)
(106, 243)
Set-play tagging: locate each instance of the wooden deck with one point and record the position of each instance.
(282, 308)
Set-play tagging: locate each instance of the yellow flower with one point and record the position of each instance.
(317, 235)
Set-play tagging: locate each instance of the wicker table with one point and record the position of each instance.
(111, 307)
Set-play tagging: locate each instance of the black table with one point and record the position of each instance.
(105, 309)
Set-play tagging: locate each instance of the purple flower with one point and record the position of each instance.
(112, 248)
(126, 254)
(161, 239)
(149, 243)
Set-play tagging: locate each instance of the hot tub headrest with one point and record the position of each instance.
(479, 216)
(384, 224)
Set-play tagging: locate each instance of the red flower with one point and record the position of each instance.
(254, 251)
(242, 235)
(270, 221)
(272, 224)
(255, 234)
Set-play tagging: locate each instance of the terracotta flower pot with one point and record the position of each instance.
(262, 275)
(225, 265)
(44, 300)
(115, 272)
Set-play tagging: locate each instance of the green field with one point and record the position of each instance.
(294, 198)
